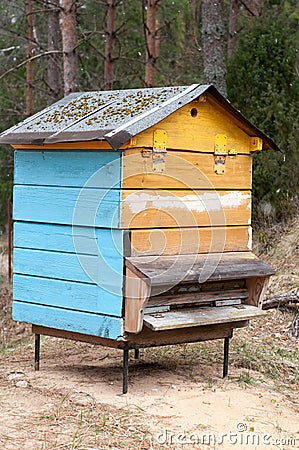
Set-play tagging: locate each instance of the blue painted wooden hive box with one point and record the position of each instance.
(132, 216)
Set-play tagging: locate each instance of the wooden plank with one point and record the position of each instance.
(171, 270)
(79, 145)
(257, 288)
(205, 315)
(197, 297)
(70, 267)
(87, 207)
(150, 338)
(67, 168)
(185, 169)
(69, 320)
(197, 133)
(236, 301)
(184, 208)
(174, 241)
(67, 294)
(75, 336)
(65, 238)
(136, 296)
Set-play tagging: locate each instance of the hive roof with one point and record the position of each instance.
(114, 116)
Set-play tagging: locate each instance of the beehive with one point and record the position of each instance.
(106, 182)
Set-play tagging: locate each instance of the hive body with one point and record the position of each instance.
(89, 201)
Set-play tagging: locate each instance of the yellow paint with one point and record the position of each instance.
(256, 144)
(160, 139)
(185, 170)
(183, 241)
(220, 144)
(184, 208)
(187, 130)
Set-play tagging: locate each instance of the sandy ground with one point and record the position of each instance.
(173, 402)
(177, 398)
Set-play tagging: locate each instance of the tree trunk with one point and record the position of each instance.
(150, 42)
(29, 65)
(213, 32)
(232, 27)
(69, 45)
(109, 45)
(53, 45)
(255, 7)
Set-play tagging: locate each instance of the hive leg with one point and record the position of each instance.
(136, 353)
(225, 357)
(125, 370)
(36, 351)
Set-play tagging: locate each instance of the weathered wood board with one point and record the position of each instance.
(170, 270)
(205, 315)
(184, 208)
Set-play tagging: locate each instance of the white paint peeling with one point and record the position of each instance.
(208, 201)
(249, 244)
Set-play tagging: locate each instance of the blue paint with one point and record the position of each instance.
(66, 294)
(71, 267)
(88, 207)
(68, 239)
(69, 320)
(68, 245)
(67, 168)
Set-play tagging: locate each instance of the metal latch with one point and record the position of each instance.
(159, 150)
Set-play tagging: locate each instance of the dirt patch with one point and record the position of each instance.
(177, 398)
(176, 394)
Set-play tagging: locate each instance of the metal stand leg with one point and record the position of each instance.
(125, 370)
(136, 353)
(36, 351)
(225, 359)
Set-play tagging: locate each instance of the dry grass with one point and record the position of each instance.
(3, 257)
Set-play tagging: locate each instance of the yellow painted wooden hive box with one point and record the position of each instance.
(132, 216)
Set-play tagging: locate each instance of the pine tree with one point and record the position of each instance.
(213, 32)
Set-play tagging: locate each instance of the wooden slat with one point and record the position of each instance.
(136, 293)
(88, 207)
(70, 267)
(67, 294)
(197, 297)
(197, 133)
(171, 270)
(185, 169)
(174, 241)
(150, 338)
(184, 208)
(64, 168)
(69, 320)
(68, 239)
(206, 315)
(257, 288)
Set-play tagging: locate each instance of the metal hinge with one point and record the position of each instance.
(159, 150)
(220, 153)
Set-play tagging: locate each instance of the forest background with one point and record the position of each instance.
(248, 49)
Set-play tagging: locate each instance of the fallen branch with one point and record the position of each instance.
(290, 300)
